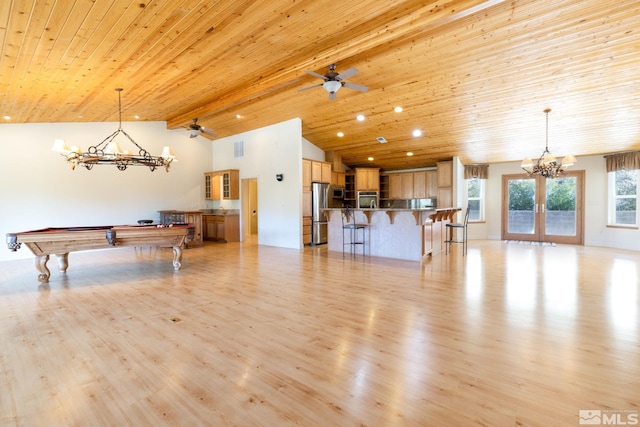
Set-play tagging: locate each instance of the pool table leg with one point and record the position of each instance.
(177, 257)
(41, 265)
(63, 262)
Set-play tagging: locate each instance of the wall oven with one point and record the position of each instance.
(367, 199)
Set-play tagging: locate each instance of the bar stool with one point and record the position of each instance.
(354, 231)
(450, 227)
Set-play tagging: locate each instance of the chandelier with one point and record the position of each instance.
(547, 165)
(109, 152)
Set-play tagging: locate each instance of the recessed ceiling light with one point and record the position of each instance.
(360, 117)
(398, 109)
(340, 134)
(370, 159)
(410, 153)
(417, 133)
(238, 116)
(136, 117)
(7, 117)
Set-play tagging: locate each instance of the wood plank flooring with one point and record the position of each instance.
(246, 335)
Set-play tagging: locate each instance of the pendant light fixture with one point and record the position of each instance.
(547, 165)
(109, 152)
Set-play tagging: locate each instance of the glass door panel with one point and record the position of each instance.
(521, 194)
(560, 207)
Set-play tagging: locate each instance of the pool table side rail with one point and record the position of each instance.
(58, 241)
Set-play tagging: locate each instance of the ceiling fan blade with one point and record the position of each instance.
(354, 86)
(211, 134)
(310, 87)
(346, 74)
(313, 73)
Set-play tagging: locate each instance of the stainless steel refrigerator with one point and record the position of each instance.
(320, 200)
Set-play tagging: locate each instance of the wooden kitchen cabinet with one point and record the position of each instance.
(445, 174)
(222, 228)
(401, 186)
(307, 203)
(320, 171)
(395, 186)
(445, 184)
(432, 184)
(367, 179)
(338, 178)
(306, 231)
(406, 186)
(420, 185)
(222, 185)
(209, 226)
(231, 184)
(306, 174)
(212, 186)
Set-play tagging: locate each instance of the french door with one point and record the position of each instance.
(543, 210)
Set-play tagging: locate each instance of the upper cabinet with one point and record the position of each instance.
(338, 178)
(222, 185)
(409, 185)
(315, 171)
(367, 179)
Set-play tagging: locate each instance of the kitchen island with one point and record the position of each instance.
(408, 234)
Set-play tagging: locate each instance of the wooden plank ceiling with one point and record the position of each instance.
(474, 76)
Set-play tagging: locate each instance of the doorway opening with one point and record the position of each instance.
(249, 203)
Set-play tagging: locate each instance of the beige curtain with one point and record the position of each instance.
(476, 171)
(620, 161)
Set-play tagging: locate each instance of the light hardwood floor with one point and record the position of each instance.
(247, 335)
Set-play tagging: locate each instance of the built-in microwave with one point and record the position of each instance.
(336, 192)
(336, 196)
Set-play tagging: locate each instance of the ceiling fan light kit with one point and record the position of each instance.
(547, 165)
(334, 81)
(195, 129)
(109, 152)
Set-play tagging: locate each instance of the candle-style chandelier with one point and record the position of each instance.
(547, 165)
(109, 152)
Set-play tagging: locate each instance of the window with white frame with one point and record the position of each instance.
(623, 197)
(475, 199)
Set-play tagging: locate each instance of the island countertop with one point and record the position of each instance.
(402, 233)
(420, 214)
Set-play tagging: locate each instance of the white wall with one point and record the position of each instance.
(310, 151)
(596, 231)
(38, 189)
(268, 151)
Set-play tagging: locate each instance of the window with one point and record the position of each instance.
(475, 199)
(623, 191)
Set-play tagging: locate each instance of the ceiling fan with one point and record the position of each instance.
(334, 81)
(195, 129)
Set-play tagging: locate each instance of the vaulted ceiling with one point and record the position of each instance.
(473, 75)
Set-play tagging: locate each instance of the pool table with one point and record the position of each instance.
(61, 241)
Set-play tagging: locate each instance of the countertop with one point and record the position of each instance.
(221, 212)
(437, 214)
(388, 209)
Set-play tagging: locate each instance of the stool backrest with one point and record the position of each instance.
(347, 215)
